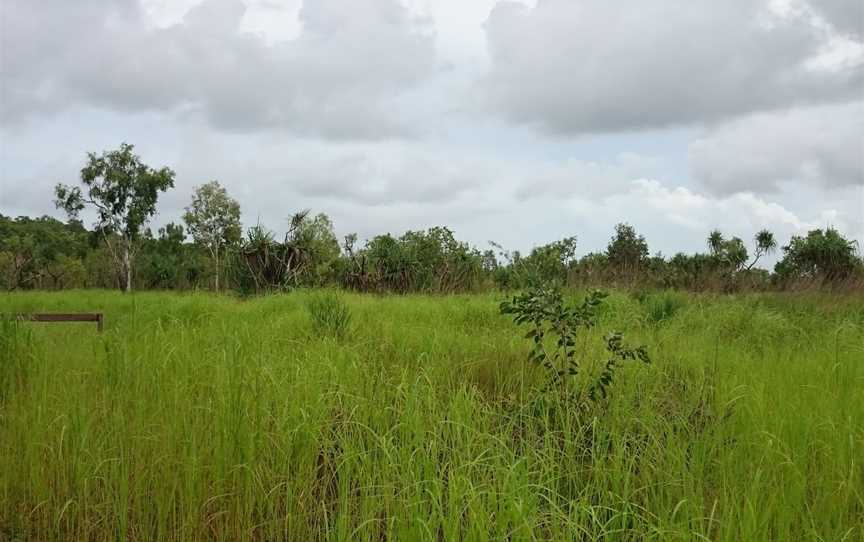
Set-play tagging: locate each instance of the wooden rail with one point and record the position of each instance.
(64, 317)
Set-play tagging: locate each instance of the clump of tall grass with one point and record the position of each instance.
(661, 306)
(329, 314)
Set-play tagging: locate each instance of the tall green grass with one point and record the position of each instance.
(196, 417)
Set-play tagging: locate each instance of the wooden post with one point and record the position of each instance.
(64, 317)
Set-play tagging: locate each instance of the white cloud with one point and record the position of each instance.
(341, 76)
(822, 146)
(593, 66)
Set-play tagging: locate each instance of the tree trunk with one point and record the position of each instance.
(217, 270)
(127, 267)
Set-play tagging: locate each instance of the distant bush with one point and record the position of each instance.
(330, 315)
(546, 264)
(418, 261)
(826, 256)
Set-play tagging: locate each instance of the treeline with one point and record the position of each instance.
(208, 249)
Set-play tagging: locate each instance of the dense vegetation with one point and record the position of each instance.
(120, 251)
(326, 415)
(45, 253)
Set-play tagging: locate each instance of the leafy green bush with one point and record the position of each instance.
(822, 255)
(554, 328)
(330, 315)
(418, 261)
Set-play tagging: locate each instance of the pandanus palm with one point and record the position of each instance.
(765, 244)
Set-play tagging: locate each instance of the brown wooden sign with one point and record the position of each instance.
(64, 317)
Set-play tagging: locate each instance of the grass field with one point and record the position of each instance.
(198, 417)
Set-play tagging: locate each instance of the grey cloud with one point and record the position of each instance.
(595, 66)
(821, 145)
(847, 16)
(340, 77)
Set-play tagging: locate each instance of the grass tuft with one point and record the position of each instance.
(330, 315)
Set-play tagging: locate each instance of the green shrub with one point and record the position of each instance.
(554, 328)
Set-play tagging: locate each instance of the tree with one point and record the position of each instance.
(165, 260)
(213, 220)
(765, 244)
(627, 251)
(729, 255)
(823, 254)
(715, 242)
(38, 248)
(549, 262)
(734, 254)
(420, 261)
(315, 239)
(123, 191)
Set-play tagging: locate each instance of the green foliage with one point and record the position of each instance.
(315, 239)
(545, 264)
(724, 267)
(329, 314)
(729, 255)
(765, 244)
(262, 264)
(101, 272)
(592, 268)
(213, 220)
(168, 262)
(627, 252)
(418, 261)
(307, 256)
(554, 328)
(825, 255)
(45, 253)
(662, 306)
(41, 253)
(123, 191)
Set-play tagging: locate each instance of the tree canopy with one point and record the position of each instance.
(123, 191)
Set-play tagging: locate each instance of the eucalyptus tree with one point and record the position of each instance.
(213, 220)
(123, 191)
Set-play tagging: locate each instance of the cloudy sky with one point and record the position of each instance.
(514, 121)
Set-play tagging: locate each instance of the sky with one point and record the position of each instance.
(520, 122)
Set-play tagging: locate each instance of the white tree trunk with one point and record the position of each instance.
(217, 270)
(127, 266)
